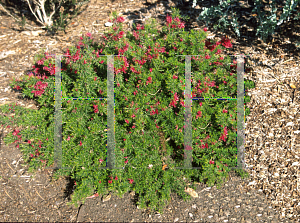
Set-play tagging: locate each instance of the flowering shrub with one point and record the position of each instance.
(149, 110)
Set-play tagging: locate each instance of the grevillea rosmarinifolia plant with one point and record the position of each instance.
(149, 112)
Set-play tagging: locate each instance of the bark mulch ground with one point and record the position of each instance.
(36, 197)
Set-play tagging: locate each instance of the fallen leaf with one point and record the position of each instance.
(192, 192)
(95, 195)
(292, 86)
(164, 166)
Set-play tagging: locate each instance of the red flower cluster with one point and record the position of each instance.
(41, 86)
(224, 135)
(179, 23)
(224, 41)
(96, 108)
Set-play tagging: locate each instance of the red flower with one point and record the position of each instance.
(226, 42)
(16, 132)
(169, 19)
(88, 35)
(120, 19)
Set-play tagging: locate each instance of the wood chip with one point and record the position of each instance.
(107, 198)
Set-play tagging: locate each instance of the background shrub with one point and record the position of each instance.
(267, 21)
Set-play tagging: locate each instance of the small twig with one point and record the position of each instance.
(286, 60)
(10, 166)
(155, 93)
(8, 12)
(18, 161)
(292, 140)
(38, 194)
(95, 24)
(298, 180)
(7, 193)
(274, 77)
(205, 127)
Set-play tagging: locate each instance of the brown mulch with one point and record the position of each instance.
(36, 197)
